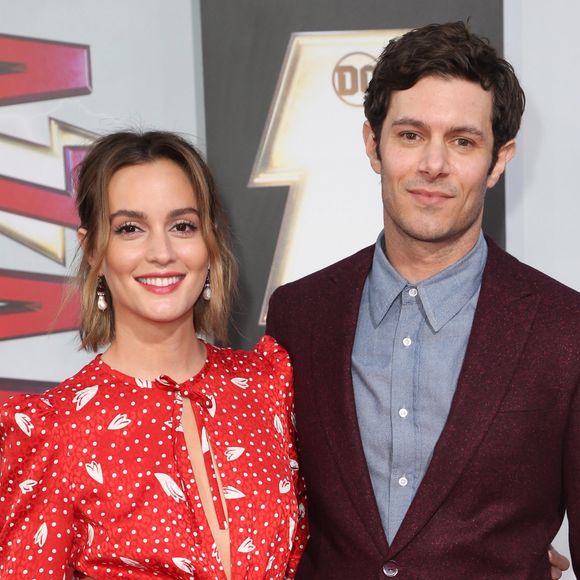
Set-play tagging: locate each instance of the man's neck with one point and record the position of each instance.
(416, 260)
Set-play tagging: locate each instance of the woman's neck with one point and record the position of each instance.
(157, 349)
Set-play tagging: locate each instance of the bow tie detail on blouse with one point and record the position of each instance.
(204, 405)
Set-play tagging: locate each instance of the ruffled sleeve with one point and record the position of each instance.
(36, 512)
(279, 358)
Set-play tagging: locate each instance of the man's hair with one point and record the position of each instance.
(447, 51)
(108, 155)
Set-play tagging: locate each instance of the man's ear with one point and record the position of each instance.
(504, 156)
(371, 147)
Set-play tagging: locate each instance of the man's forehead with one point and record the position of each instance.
(441, 99)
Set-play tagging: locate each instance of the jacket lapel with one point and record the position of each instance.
(332, 344)
(503, 318)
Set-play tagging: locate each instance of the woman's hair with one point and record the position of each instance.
(111, 153)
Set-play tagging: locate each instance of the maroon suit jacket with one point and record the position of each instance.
(507, 463)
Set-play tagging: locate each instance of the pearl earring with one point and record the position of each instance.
(206, 288)
(101, 300)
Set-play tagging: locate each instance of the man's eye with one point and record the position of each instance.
(462, 142)
(409, 136)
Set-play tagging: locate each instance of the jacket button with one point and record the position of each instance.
(390, 569)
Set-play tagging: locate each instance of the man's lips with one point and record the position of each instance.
(160, 283)
(430, 196)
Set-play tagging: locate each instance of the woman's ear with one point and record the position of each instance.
(82, 237)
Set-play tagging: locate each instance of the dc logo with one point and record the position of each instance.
(351, 77)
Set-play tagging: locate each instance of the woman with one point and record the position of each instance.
(165, 456)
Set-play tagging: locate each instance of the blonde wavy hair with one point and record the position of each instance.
(111, 153)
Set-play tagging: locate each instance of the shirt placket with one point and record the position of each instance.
(404, 425)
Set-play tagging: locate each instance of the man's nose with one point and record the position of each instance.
(434, 159)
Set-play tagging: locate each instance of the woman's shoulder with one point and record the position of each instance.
(267, 355)
(267, 365)
(19, 410)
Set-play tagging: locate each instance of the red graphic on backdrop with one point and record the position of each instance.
(37, 201)
(38, 70)
(32, 304)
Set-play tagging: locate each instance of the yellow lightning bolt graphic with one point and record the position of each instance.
(45, 238)
(312, 143)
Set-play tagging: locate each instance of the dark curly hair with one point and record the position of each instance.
(449, 51)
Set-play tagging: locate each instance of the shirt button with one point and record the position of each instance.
(390, 569)
(403, 413)
(403, 481)
(407, 341)
(413, 292)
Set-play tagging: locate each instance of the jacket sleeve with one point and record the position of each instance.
(572, 479)
(36, 512)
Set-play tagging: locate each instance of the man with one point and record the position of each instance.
(436, 376)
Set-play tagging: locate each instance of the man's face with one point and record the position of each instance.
(435, 155)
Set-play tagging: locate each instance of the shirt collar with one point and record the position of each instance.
(442, 296)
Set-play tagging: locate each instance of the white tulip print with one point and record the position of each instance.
(294, 465)
(184, 564)
(292, 527)
(143, 383)
(232, 453)
(215, 552)
(278, 425)
(284, 486)
(270, 562)
(170, 487)
(119, 422)
(204, 441)
(232, 493)
(90, 535)
(240, 382)
(132, 563)
(41, 535)
(95, 470)
(247, 546)
(24, 422)
(27, 485)
(84, 396)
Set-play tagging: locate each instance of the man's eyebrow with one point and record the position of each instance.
(411, 122)
(139, 215)
(468, 129)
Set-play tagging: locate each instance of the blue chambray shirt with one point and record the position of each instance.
(408, 351)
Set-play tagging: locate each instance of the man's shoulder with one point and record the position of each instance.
(503, 268)
(353, 267)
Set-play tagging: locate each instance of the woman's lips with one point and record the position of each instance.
(160, 284)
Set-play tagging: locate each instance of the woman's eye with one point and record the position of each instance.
(126, 229)
(185, 227)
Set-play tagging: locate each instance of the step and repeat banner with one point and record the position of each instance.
(270, 91)
(284, 84)
(70, 71)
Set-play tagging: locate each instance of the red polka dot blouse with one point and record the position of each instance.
(95, 475)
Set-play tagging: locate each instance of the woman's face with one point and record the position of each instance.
(156, 259)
